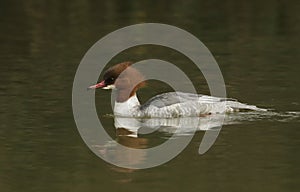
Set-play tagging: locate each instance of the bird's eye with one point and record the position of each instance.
(110, 80)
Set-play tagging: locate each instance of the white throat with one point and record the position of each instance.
(127, 108)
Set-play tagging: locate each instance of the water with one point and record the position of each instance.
(255, 43)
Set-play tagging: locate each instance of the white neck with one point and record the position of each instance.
(127, 108)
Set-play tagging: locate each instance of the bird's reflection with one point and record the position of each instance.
(132, 133)
(133, 127)
(137, 133)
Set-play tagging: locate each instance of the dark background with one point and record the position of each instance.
(256, 44)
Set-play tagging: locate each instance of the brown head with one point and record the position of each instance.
(126, 79)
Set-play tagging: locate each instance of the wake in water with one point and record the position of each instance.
(269, 115)
(184, 125)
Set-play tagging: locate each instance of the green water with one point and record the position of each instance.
(256, 44)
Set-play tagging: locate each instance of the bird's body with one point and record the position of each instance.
(127, 80)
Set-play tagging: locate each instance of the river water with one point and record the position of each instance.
(256, 44)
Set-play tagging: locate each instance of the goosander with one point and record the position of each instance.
(126, 80)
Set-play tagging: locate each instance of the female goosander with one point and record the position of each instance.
(126, 80)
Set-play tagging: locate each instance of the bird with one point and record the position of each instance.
(126, 80)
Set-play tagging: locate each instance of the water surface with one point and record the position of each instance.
(255, 43)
